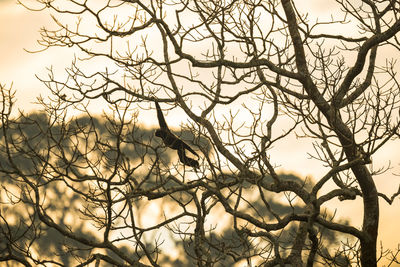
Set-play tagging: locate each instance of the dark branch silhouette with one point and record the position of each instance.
(337, 91)
(171, 141)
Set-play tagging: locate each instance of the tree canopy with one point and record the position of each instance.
(244, 77)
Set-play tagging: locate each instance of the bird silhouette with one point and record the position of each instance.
(172, 141)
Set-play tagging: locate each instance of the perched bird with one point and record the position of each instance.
(171, 141)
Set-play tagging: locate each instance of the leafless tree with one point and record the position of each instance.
(111, 194)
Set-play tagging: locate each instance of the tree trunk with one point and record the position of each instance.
(371, 215)
(368, 190)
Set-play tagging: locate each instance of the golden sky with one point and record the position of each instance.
(19, 30)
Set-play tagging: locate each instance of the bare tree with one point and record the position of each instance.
(289, 75)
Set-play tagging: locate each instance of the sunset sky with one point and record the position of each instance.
(19, 30)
